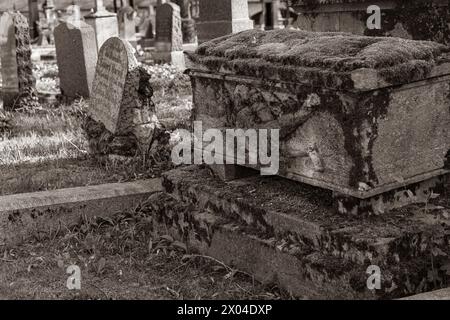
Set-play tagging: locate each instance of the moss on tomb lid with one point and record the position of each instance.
(293, 54)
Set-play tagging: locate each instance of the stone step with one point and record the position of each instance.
(299, 216)
(299, 269)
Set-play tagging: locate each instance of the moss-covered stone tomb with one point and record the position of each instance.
(365, 117)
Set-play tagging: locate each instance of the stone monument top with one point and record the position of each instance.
(100, 11)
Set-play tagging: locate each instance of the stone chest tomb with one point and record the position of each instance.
(365, 117)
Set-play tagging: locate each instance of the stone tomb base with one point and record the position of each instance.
(288, 233)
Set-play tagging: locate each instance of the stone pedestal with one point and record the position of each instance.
(18, 83)
(221, 17)
(127, 25)
(122, 118)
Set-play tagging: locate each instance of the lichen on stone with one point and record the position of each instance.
(249, 52)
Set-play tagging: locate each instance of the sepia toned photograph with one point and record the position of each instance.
(224, 155)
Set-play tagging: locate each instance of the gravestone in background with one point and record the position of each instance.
(18, 83)
(122, 117)
(33, 15)
(103, 22)
(418, 19)
(73, 13)
(390, 118)
(221, 17)
(115, 63)
(169, 37)
(187, 23)
(76, 52)
(127, 25)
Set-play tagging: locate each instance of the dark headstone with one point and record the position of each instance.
(221, 17)
(169, 37)
(76, 52)
(33, 12)
(417, 20)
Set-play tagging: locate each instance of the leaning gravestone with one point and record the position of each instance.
(169, 37)
(187, 23)
(18, 85)
(122, 118)
(76, 52)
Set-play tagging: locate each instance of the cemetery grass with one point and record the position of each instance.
(120, 258)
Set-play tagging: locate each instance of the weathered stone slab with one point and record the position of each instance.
(419, 20)
(169, 36)
(76, 51)
(16, 67)
(221, 17)
(23, 215)
(357, 115)
(279, 229)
